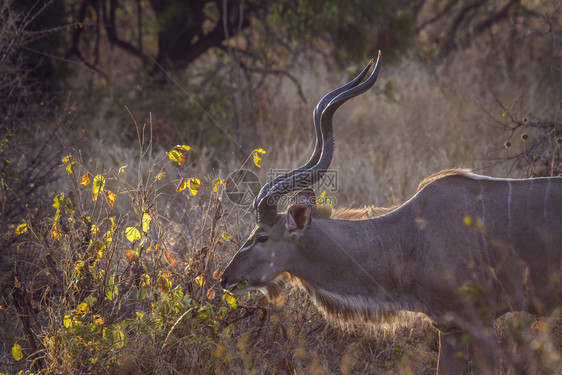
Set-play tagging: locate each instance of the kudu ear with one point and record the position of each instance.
(299, 214)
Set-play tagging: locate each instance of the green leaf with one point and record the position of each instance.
(90, 300)
(16, 352)
(112, 290)
(115, 336)
(132, 234)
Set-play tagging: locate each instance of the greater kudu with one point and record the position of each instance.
(463, 250)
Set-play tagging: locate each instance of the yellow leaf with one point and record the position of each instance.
(467, 221)
(56, 233)
(110, 196)
(79, 268)
(177, 157)
(159, 176)
(132, 234)
(66, 159)
(218, 182)
(217, 274)
(182, 185)
(85, 180)
(194, 184)
(211, 294)
(21, 229)
(101, 251)
(82, 309)
(183, 147)
(230, 299)
(67, 320)
(257, 158)
(170, 258)
(131, 256)
(95, 229)
(98, 320)
(97, 186)
(58, 201)
(145, 280)
(70, 167)
(146, 219)
(199, 280)
(16, 352)
(122, 169)
(226, 236)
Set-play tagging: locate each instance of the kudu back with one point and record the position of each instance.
(463, 250)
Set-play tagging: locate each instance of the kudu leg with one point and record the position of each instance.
(452, 354)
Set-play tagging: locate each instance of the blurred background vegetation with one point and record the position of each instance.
(470, 83)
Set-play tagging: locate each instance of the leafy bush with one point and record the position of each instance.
(115, 270)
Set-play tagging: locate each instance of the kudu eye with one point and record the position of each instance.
(262, 239)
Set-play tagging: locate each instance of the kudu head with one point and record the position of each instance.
(270, 248)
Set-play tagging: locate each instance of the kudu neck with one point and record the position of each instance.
(356, 268)
(359, 254)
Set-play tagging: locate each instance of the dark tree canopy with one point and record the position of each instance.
(175, 33)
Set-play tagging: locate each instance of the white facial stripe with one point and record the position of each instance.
(246, 248)
(509, 209)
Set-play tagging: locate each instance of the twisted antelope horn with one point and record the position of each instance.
(318, 147)
(267, 206)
